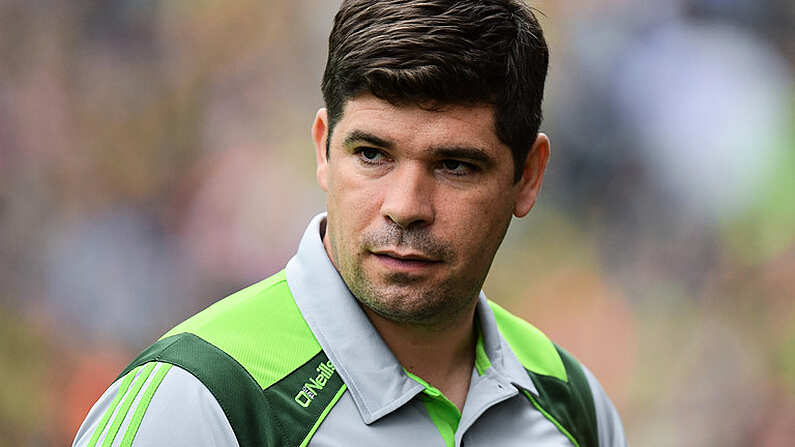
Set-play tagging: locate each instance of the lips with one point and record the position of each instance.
(405, 261)
(405, 256)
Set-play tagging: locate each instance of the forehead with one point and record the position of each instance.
(411, 125)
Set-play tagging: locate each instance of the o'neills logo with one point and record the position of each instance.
(314, 385)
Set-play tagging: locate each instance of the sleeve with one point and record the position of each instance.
(611, 431)
(156, 404)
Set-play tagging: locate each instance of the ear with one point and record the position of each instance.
(319, 135)
(532, 176)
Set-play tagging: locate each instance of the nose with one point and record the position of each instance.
(408, 199)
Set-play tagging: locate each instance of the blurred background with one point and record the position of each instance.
(155, 156)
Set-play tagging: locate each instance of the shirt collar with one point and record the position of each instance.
(373, 375)
(504, 362)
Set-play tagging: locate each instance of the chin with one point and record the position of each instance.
(416, 306)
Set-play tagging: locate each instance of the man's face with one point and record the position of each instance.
(418, 202)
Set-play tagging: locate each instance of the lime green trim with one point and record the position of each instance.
(536, 352)
(432, 391)
(125, 406)
(237, 393)
(445, 420)
(138, 416)
(260, 327)
(551, 419)
(443, 413)
(323, 415)
(125, 384)
(421, 381)
(482, 362)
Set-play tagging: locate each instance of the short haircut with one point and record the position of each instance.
(442, 52)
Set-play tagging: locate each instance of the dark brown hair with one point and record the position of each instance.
(438, 52)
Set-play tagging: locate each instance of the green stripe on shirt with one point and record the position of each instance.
(125, 406)
(125, 384)
(138, 416)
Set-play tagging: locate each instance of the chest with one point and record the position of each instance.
(512, 422)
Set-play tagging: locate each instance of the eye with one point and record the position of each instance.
(369, 153)
(452, 165)
(370, 156)
(457, 167)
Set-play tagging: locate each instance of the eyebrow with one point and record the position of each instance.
(470, 153)
(358, 136)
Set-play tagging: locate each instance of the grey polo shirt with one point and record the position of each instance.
(382, 405)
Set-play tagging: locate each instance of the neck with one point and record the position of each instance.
(442, 356)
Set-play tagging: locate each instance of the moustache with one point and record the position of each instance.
(417, 239)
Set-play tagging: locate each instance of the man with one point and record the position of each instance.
(377, 333)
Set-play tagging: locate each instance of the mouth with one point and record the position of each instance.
(405, 261)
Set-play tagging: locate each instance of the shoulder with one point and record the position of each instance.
(566, 385)
(259, 327)
(156, 404)
(532, 347)
(213, 368)
(611, 430)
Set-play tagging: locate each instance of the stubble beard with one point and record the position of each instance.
(404, 298)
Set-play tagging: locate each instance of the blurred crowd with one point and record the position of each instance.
(155, 156)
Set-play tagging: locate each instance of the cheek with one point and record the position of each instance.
(479, 226)
(351, 209)
(483, 210)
